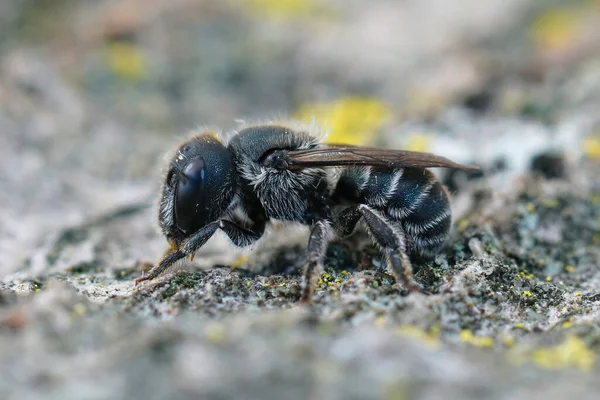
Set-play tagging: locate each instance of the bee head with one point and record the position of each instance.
(200, 184)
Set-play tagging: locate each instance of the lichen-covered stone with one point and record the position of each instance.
(515, 298)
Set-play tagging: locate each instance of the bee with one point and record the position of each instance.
(276, 172)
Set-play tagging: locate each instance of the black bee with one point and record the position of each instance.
(273, 172)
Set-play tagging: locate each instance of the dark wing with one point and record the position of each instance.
(340, 155)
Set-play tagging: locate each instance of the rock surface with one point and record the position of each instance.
(93, 94)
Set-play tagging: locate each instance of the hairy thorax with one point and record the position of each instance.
(286, 195)
(283, 194)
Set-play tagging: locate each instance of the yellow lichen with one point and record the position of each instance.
(241, 260)
(591, 147)
(352, 120)
(463, 223)
(287, 9)
(419, 143)
(570, 268)
(527, 293)
(215, 333)
(508, 340)
(555, 29)
(126, 61)
(467, 336)
(573, 352)
(526, 274)
(79, 309)
(430, 338)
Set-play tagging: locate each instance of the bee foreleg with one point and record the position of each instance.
(317, 246)
(391, 238)
(188, 247)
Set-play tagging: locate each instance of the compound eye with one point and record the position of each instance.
(190, 196)
(194, 171)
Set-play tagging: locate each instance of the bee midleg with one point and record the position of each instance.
(242, 236)
(190, 246)
(388, 235)
(317, 246)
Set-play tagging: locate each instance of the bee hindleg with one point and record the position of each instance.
(189, 247)
(317, 246)
(390, 237)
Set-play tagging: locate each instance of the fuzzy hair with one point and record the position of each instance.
(312, 128)
(283, 193)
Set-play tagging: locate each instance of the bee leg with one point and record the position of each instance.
(402, 268)
(317, 246)
(391, 238)
(347, 220)
(239, 235)
(168, 259)
(189, 247)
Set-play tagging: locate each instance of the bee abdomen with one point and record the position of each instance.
(367, 185)
(422, 206)
(429, 223)
(411, 197)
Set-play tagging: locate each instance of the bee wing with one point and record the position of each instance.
(340, 155)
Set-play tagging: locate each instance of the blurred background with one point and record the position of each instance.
(94, 93)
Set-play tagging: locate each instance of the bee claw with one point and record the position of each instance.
(141, 279)
(416, 288)
(422, 291)
(304, 302)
